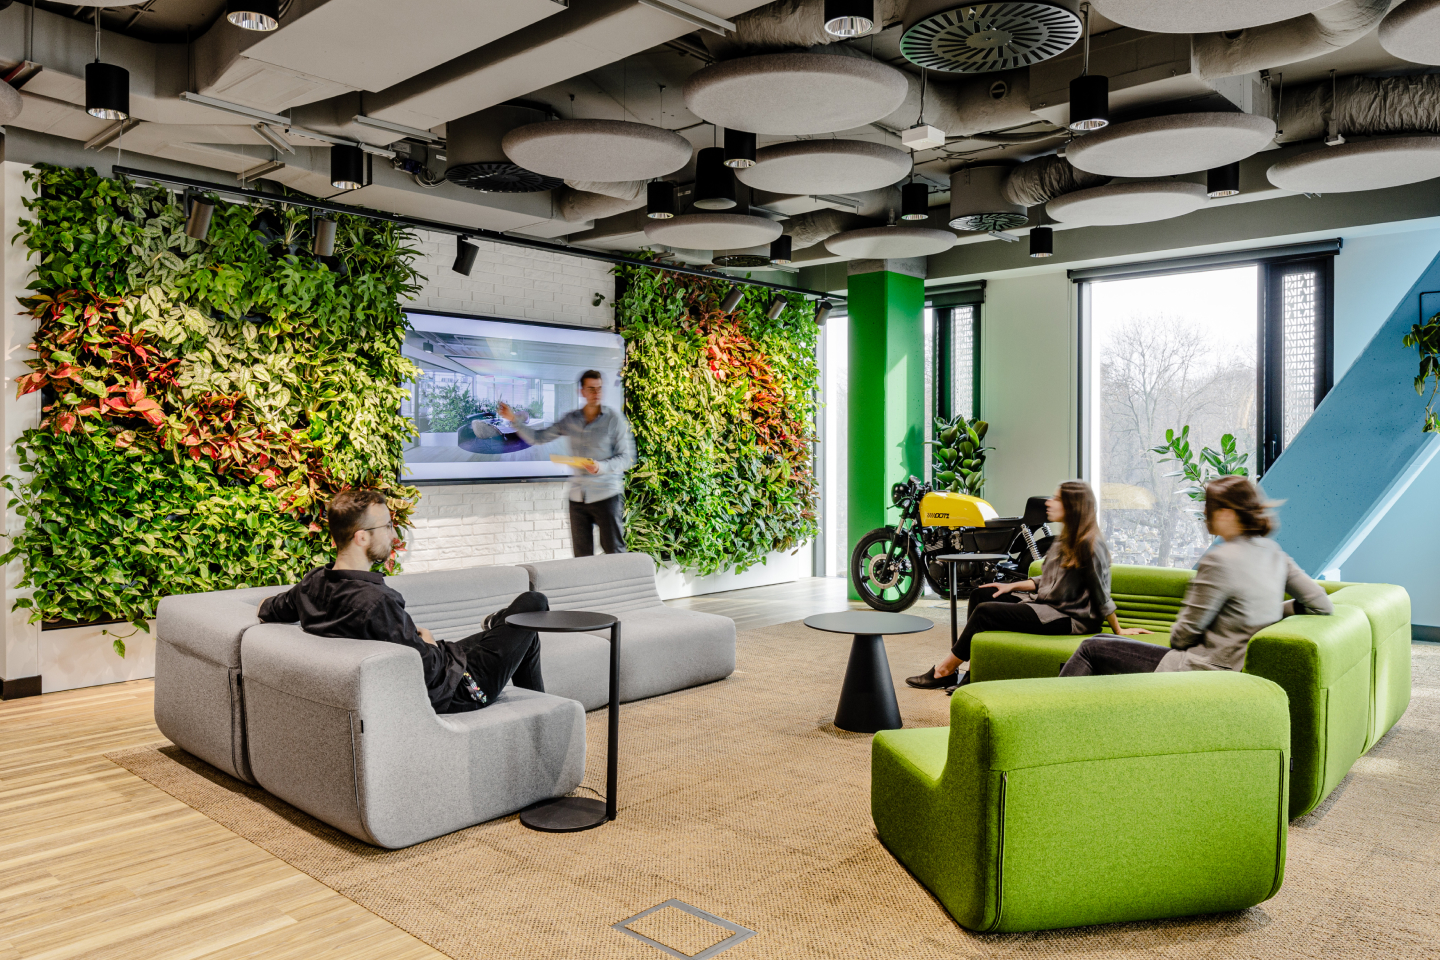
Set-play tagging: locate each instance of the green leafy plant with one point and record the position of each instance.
(201, 400)
(959, 454)
(723, 407)
(1227, 461)
(1425, 337)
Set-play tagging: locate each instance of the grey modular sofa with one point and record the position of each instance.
(343, 729)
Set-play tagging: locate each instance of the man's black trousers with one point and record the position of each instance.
(605, 514)
(501, 653)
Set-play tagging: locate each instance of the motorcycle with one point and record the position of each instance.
(891, 565)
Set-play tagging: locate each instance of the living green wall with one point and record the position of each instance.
(723, 411)
(201, 399)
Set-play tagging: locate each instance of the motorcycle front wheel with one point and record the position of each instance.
(883, 572)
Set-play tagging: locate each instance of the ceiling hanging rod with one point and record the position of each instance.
(471, 232)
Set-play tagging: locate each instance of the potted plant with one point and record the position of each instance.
(959, 455)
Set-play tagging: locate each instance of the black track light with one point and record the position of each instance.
(197, 220)
(915, 202)
(822, 310)
(107, 87)
(849, 18)
(780, 249)
(262, 15)
(324, 243)
(714, 182)
(660, 203)
(739, 149)
(1223, 181)
(777, 307)
(347, 167)
(732, 299)
(465, 254)
(1042, 242)
(1089, 95)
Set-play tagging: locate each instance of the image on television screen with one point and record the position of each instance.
(469, 366)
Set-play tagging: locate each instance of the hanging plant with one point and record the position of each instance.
(1425, 337)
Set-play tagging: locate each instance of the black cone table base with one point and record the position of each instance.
(867, 697)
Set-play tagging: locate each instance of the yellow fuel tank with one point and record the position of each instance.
(943, 509)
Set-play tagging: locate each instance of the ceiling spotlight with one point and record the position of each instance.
(1223, 181)
(1042, 242)
(660, 203)
(347, 167)
(822, 310)
(465, 254)
(739, 149)
(780, 249)
(777, 307)
(197, 223)
(1089, 95)
(732, 299)
(324, 245)
(107, 87)
(849, 18)
(262, 15)
(915, 202)
(714, 182)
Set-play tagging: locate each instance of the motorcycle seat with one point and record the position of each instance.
(1003, 522)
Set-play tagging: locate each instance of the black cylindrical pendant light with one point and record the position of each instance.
(197, 221)
(849, 18)
(660, 203)
(915, 201)
(262, 15)
(780, 249)
(347, 167)
(107, 87)
(324, 245)
(1089, 103)
(732, 299)
(714, 182)
(739, 149)
(465, 254)
(1042, 242)
(1223, 181)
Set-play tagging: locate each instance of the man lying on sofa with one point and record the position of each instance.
(346, 599)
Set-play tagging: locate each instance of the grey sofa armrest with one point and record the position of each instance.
(344, 730)
(210, 625)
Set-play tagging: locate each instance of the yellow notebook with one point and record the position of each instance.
(581, 462)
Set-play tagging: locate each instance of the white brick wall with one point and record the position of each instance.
(467, 525)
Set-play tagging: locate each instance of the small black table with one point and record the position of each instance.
(867, 697)
(951, 559)
(568, 814)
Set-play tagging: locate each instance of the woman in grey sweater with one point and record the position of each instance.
(1239, 589)
(1073, 595)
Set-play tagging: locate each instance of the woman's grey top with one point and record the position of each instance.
(1081, 593)
(1239, 589)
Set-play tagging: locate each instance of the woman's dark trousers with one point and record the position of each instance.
(1100, 656)
(1005, 612)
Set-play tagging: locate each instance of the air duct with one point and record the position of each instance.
(1361, 106)
(1276, 44)
(581, 200)
(787, 24)
(477, 160)
(808, 229)
(1038, 181)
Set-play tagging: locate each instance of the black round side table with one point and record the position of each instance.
(568, 814)
(867, 697)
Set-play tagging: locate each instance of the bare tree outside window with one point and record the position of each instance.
(1169, 351)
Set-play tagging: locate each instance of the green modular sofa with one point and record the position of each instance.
(1347, 676)
(1057, 803)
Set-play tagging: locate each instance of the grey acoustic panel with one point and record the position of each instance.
(795, 93)
(712, 231)
(810, 167)
(1178, 143)
(1123, 203)
(890, 243)
(1203, 16)
(1359, 165)
(1412, 31)
(606, 151)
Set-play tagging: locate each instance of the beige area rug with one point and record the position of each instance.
(742, 799)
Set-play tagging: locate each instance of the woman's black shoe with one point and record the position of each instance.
(928, 680)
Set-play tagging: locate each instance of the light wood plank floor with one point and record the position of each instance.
(97, 864)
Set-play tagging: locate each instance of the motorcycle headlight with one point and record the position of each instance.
(898, 493)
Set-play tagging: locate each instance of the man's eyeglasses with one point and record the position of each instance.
(382, 526)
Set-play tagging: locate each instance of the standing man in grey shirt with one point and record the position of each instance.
(602, 436)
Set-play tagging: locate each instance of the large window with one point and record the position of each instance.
(1240, 350)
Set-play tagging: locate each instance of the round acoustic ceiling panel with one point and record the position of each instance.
(10, 103)
(712, 231)
(1162, 146)
(1412, 31)
(981, 37)
(605, 151)
(1134, 202)
(477, 160)
(825, 166)
(890, 243)
(795, 93)
(1210, 16)
(1360, 165)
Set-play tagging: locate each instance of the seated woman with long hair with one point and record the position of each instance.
(1072, 597)
(1239, 589)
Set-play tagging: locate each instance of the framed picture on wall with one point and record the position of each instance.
(469, 367)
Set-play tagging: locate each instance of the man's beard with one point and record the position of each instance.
(375, 553)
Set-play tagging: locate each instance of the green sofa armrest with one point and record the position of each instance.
(1387, 607)
(1323, 665)
(1057, 803)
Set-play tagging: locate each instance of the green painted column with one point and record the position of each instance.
(887, 392)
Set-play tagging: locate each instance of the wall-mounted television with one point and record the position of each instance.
(469, 366)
